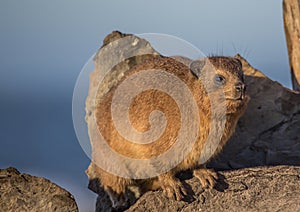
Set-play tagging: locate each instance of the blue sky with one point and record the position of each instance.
(44, 45)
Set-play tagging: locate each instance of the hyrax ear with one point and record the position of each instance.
(239, 62)
(197, 66)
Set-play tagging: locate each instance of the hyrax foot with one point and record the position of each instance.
(172, 187)
(119, 201)
(207, 177)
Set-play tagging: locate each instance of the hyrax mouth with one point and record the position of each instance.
(240, 98)
(237, 93)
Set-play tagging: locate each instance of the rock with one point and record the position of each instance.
(291, 15)
(267, 135)
(117, 55)
(251, 189)
(22, 192)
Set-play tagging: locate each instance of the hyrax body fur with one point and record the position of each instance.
(216, 83)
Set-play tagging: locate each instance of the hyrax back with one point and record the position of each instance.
(217, 86)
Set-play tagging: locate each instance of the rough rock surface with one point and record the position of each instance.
(267, 135)
(22, 192)
(251, 189)
(291, 15)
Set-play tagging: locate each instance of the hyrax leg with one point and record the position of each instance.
(206, 176)
(116, 189)
(119, 201)
(172, 187)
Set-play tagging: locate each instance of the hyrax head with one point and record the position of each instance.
(221, 76)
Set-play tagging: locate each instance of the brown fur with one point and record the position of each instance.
(150, 100)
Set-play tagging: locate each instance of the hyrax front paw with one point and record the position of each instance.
(208, 178)
(119, 201)
(173, 188)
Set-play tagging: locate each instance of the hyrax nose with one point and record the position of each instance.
(240, 87)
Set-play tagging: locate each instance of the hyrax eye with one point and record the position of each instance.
(219, 79)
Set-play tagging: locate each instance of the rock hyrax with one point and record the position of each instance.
(217, 88)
